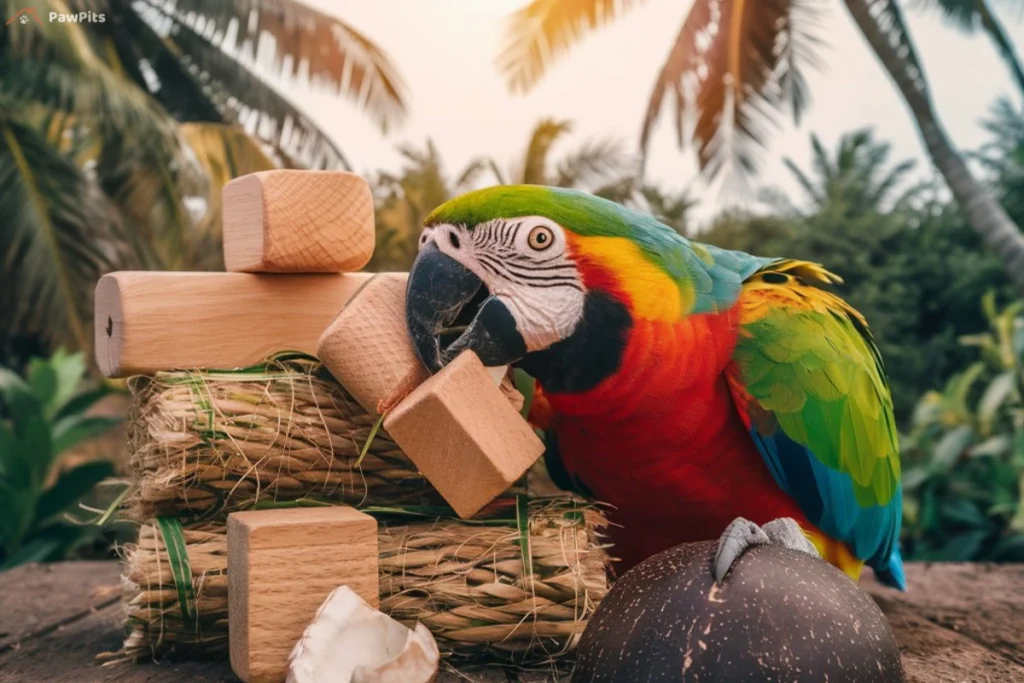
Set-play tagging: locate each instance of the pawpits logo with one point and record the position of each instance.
(24, 16)
(28, 14)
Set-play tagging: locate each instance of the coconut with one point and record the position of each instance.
(350, 642)
(779, 615)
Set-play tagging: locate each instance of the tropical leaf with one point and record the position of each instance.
(155, 64)
(535, 162)
(856, 179)
(59, 233)
(593, 162)
(149, 184)
(70, 487)
(307, 46)
(734, 83)
(544, 30)
(973, 15)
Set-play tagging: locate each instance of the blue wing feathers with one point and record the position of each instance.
(826, 497)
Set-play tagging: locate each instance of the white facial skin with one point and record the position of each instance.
(524, 263)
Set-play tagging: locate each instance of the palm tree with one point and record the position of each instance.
(404, 200)
(858, 180)
(117, 137)
(735, 64)
(599, 166)
(971, 15)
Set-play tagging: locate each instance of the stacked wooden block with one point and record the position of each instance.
(292, 240)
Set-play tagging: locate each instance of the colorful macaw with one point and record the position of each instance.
(687, 386)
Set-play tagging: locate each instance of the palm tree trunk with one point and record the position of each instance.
(983, 211)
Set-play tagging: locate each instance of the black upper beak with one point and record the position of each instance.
(439, 289)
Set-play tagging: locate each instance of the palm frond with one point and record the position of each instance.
(804, 182)
(541, 32)
(58, 235)
(545, 134)
(733, 65)
(971, 15)
(155, 64)
(111, 105)
(471, 173)
(251, 101)
(297, 43)
(596, 161)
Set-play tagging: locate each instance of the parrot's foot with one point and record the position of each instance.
(742, 535)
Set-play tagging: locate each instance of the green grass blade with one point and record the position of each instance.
(181, 569)
(369, 440)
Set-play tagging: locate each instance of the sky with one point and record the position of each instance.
(446, 50)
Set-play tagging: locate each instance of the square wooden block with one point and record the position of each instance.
(367, 347)
(290, 221)
(282, 565)
(464, 435)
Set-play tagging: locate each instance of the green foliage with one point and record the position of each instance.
(914, 268)
(42, 416)
(963, 472)
(116, 139)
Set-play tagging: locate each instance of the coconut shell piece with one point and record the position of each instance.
(351, 642)
(780, 615)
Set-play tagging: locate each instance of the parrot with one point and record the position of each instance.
(701, 393)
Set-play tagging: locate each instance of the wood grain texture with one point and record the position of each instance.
(146, 321)
(461, 432)
(367, 347)
(289, 221)
(282, 566)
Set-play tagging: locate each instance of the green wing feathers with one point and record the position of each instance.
(812, 387)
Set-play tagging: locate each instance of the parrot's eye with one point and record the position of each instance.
(541, 237)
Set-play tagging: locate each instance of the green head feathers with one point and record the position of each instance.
(716, 274)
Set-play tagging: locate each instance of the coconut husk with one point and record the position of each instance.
(466, 581)
(203, 444)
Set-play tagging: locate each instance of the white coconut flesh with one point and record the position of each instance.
(351, 642)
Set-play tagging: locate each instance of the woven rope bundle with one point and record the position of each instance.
(205, 443)
(467, 582)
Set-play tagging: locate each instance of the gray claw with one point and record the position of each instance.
(740, 536)
(786, 532)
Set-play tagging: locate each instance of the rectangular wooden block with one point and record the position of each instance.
(367, 347)
(463, 434)
(148, 321)
(290, 221)
(282, 565)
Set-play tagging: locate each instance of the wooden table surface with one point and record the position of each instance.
(959, 623)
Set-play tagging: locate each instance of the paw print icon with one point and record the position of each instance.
(24, 16)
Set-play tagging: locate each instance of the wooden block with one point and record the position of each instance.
(298, 222)
(282, 565)
(367, 347)
(461, 432)
(147, 321)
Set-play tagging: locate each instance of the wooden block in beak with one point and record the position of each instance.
(463, 434)
(289, 221)
(367, 347)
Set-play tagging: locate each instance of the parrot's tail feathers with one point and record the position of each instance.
(892, 573)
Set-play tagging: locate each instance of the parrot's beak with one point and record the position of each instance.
(441, 295)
